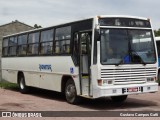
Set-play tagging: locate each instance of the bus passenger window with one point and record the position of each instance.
(33, 49)
(22, 44)
(22, 49)
(5, 47)
(46, 48)
(46, 42)
(62, 40)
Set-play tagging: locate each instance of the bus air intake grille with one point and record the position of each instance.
(128, 75)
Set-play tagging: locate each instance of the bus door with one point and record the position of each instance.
(85, 61)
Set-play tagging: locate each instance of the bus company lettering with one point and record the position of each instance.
(45, 67)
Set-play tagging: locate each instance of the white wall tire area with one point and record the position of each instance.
(71, 93)
(119, 99)
(22, 86)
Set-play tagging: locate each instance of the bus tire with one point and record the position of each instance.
(22, 85)
(119, 99)
(71, 93)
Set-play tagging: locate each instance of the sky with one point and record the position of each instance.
(52, 12)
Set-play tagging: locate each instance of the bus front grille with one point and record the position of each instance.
(128, 75)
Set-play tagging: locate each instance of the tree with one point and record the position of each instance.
(37, 26)
(157, 32)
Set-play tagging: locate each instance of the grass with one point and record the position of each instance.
(7, 85)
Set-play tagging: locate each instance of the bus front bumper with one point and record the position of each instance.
(117, 90)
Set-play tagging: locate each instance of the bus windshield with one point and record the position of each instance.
(127, 46)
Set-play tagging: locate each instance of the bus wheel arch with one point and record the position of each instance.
(69, 89)
(64, 80)
(21, 82)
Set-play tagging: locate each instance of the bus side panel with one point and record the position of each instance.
(8, 74)
(31, 78)
(5, 75)
(60, 66)
(43, 72)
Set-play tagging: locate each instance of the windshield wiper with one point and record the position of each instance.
(142, 61)
(123, 60)
(120, 62)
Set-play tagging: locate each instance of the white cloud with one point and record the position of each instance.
(51, 12)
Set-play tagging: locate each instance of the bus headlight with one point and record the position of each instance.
(104, 82)
(151, 79)
(107, 82)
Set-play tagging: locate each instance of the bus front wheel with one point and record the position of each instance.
(22, 86)
(119, 99)
(71, 93)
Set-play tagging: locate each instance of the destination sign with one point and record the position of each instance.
(124, 22)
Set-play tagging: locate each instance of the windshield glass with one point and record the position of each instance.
(124, 46)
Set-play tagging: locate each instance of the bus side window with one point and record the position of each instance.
(46, 42)
(33, 43)
(22, 44)
(46, 48)
(57, 49)
(5, 47)
(12, 50)
(62, 40)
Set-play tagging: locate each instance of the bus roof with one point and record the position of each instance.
(98, 16)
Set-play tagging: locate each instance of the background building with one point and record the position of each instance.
(11, 28)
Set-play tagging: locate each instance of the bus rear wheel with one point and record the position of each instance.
(22, 86)
(119, 99)
(71, 93)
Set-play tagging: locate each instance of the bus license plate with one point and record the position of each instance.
(132, 89)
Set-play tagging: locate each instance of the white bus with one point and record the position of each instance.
(158, 51)
(112, 56)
